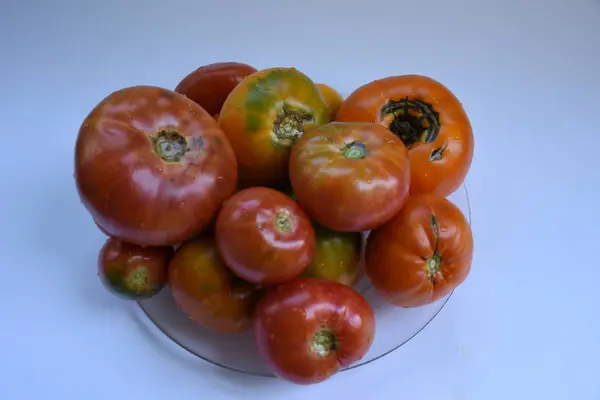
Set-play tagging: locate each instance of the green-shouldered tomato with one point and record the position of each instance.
(131, 271)
(264, 116)
(336, 257)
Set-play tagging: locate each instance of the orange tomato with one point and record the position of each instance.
(430, 121)
(333, 99)
(422, 254)
(264, 116)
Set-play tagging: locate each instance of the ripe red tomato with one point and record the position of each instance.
(131, 271)
(422, 254)
(207, 291)
(430, 121)
(350, 176)
(209, 85)
(152, 167)
(308, 329)
(337, 256)
(264, 236)
(264, 116)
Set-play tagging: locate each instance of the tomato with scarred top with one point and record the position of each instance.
(207, 291)
(264, 236)
(422, 254)
(350, 177)
(428, 118)
(152, 167)
(209, 85)
(308, 329)
(264, 116)
(133, 272)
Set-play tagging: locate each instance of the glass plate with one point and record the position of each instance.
(237, 352)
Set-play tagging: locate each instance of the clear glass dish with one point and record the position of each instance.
(236, 352)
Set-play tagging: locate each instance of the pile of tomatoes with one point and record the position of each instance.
(250, 194)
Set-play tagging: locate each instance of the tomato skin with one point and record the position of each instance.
(295, 317)
(263, 116)
(131, 178)
(407, 265)
(337, 256)
(207, 291)
(264, 236)
(360, 193)
(333, 99)
(439, 163)
(251, 242)
(209, 85)
(133, 272)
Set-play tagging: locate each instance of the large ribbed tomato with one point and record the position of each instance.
(152, 166)
(422, 254)
(430, 121)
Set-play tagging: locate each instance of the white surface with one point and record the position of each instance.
(526, 323)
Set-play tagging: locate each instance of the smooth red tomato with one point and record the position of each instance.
(264, 116)
(264, 236)
(333, 99)
(350, 176)
(308, 329)
(209, 85)
(207, 291)
(337, 256)
(422, 254)
(131, 271)
(430, 121)
(152, 167)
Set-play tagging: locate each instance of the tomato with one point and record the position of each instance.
(264, 236)
(333, 99)
(264, 116)
(430, 121)
(350, 176)
(209, 85)
(308, 329)
(422, 254)
(207, 291)
(131, 271)
(152, 167)
(337, 256)
(216, 117)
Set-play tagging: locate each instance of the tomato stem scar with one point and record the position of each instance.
(355, 150)
(283, 222)
(323, 343)
(169, 145)
(435, 261)
(139, 280)
(288, 127)
(414, 121)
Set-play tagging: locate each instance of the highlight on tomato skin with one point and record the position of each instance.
(308, 329)
(148, 183)
(264, 236)
(207, 291)
(430, 121)
(209, 85)
(133, 272)
(263, 118)
(422, 254)
(363, 183)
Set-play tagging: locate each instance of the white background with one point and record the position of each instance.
(525, 325)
